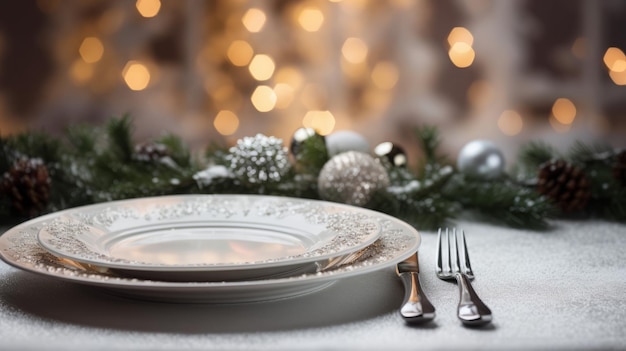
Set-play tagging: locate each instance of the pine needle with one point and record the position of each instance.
(120, 142)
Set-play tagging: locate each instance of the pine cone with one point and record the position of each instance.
(27, 184)
(565, 184)
(619, 168)
(149, 152)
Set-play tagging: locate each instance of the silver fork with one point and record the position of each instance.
(453, 263)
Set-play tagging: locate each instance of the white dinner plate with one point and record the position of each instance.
(19, 247)
(209, 237)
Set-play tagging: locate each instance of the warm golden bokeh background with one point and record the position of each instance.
(215, 71)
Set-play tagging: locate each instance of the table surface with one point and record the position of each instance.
(560, 289)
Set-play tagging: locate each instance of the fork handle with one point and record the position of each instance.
(416, 308)
(472, 310)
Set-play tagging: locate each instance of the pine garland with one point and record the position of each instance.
(503, 201)
(95, 164)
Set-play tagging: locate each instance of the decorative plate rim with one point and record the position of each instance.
(354, 228)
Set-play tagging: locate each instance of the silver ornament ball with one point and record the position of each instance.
(346, 140)
(481, 158)
(351, 177)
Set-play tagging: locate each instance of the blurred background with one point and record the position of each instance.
(216, 71)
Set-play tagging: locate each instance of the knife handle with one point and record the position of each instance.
(416, 308)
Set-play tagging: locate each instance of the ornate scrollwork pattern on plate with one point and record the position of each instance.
(20, 248)
(349, 227)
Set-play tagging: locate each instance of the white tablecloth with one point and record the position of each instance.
(560, 289)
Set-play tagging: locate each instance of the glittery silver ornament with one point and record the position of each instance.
(346, 140)
(259, 159)
(481, 158)
(352, 178)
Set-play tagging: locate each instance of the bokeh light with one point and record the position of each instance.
(91, 50)
(254, 20)
(460, 35)
(564, 111)
(614, 59)
(461, 54)
(263, 98)
(148, 8)
(321, 121)
(385, 75)
(311, 19)
(136, 75)
(226, 122)
(262, 67)
(510, 122)
(354, 50)
(240, 53)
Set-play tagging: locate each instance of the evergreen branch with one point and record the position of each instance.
(216, 154)
(582, 153)
(7, 154)
(615, 207)
(398, 176)
(88, 167)
(534, 154)
(179, 152)
(428, 212)
(120, 144)
(82, 139)
(32, 145)
(428, 139)
(502, 202)
(608, 198)
(417, 201)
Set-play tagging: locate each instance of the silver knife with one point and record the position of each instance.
(416, 308)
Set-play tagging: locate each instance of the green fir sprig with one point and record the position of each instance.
(91, 164)
(500, 201)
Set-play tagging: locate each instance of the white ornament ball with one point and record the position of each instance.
(351, 177)
(481, 158)
(346, 140)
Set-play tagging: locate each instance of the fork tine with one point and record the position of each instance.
(448, 261)
(466, 260)
(439, 253)
(454, 252)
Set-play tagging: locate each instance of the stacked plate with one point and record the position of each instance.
(209, 248)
